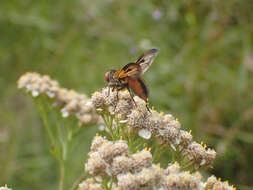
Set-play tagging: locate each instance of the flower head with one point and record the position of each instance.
(122, 165)
(215, 184)
(96, 165)
(162, 126)
(70, 102)
(90, 184)
(128, 181)
(141, 159)
(136, 171)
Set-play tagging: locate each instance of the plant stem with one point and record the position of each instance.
(78, 181)
(62, 175)
(46, 123)
(108, 122)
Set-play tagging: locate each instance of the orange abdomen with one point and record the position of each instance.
(139, 87)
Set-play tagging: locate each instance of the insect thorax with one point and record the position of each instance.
(115, 82)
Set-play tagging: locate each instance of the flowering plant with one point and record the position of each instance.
(133, 149)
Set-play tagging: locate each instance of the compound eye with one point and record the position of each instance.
(107, 76)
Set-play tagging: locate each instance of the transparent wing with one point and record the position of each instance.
(146, 59)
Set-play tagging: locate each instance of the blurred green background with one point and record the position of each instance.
(202, 75)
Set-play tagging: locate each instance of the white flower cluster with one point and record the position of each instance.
(113, 158)
(70, 102)
(160, 125)
(216, 184)
(136, 171)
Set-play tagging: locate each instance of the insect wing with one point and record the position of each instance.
(132, 70)
(146, 60)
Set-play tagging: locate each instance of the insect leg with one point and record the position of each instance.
(117, 99)
(131, 95)
(147, 107)
(117, 95)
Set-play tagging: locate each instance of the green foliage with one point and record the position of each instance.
(200, 74)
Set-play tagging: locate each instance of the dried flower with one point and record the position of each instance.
(95, 165)
(182, 181)
(150, 178)
(110, 150)
(121, 165)
(195, 152)
(128, 182)
(136, 171)
(172, 169)
(98, 100)
(113, 158)
(70, 102)
(200, 156)
(97, 142)
(154, 124)
(138, 119)
(185, 138)
(209, 156)
(90, 184)
(214, 184)
(141, 159)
